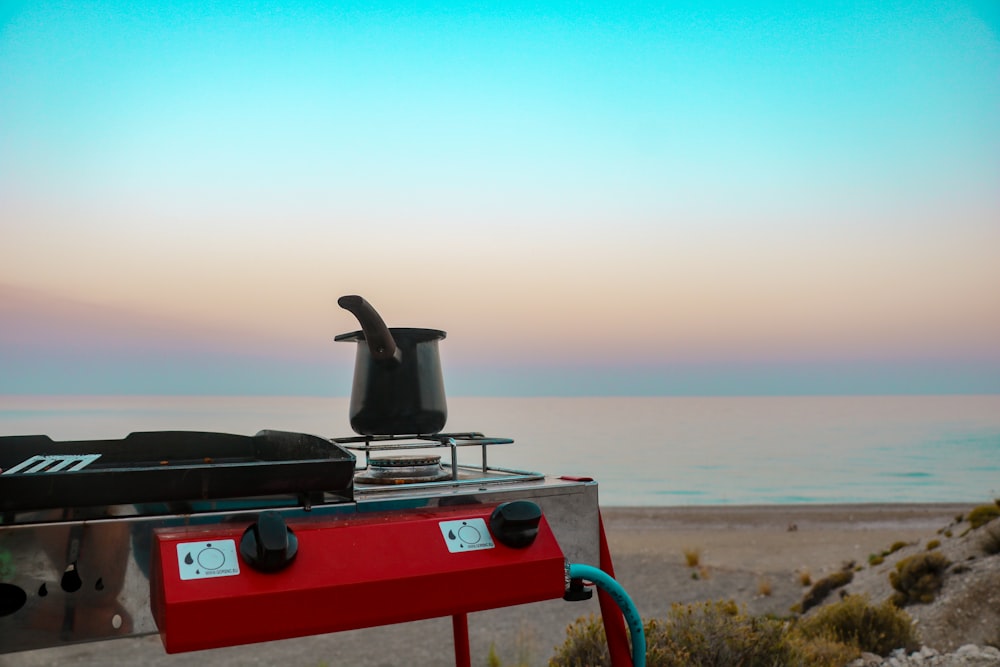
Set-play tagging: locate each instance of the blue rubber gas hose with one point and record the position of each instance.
(604, 581)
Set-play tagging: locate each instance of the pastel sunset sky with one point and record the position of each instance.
(590, 198)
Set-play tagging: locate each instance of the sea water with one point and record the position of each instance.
(643, 451)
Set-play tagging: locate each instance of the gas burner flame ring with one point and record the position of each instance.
(403, 469)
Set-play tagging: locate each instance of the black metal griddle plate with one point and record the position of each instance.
(159, 466)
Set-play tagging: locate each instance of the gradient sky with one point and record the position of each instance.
(627, 198)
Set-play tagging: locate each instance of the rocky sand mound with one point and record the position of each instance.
(949, 583)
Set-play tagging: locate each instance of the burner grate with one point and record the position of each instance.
(459, 474)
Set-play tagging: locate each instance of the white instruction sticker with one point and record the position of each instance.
(204, 560)
(466, 535)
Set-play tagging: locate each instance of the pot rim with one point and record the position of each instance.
(411, 334)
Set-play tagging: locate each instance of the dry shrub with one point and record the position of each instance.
(982, 515)
(822, 588)
(823, 651)
(692, 556)
(586, 645)
(990, 543)
(853, 621)
(918, 578)
(879, 558)
(805, 578)
(933, 544)
(492, 659)
(896, 546)
(764, 587)
(710, 634)
(718, 634)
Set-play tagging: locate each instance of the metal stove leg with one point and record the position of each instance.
(460, 628)
(614, 622)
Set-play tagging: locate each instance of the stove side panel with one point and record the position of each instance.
(81, 582)
(575, 521)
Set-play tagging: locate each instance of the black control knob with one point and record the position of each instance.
(515, 524)
(269, 545)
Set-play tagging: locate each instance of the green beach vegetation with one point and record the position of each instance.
(722, 634)
(982, 515)
(918, 578)
(822, 588)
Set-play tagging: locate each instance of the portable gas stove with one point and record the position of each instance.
(216, 540)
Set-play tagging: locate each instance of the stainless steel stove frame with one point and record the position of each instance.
(70, 577)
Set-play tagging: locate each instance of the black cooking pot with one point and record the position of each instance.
(398, 387)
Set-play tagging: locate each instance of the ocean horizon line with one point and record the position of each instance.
(307, 395)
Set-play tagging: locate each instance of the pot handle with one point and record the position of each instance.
(380, 341)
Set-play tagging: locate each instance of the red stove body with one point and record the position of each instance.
(348, 574)
(316, 542)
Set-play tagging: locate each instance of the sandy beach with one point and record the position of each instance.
(754, 555)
